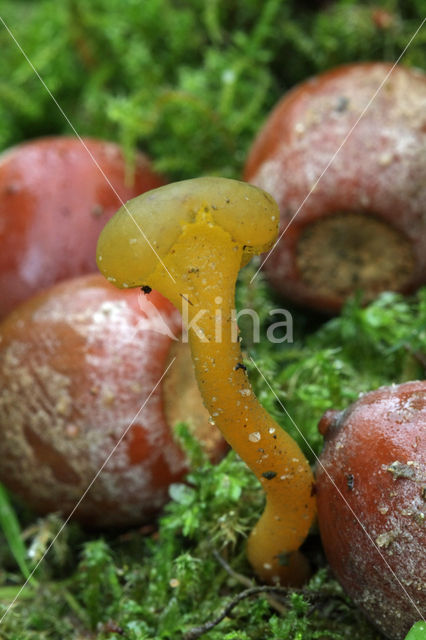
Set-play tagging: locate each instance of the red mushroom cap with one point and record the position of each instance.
(356, 220)
(56, 194)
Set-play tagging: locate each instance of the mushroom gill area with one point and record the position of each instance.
(353, 250)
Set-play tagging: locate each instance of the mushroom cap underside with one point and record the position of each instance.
(145, 229)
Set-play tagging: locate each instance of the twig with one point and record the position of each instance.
(196, 632)
(234, 574)
(273, 602)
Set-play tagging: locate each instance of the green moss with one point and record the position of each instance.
(188, 82)
(328, 364)
(165, 583)
(191, 83)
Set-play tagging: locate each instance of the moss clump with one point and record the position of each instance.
(188, 82)
(167, 582)
(328, 364)
(191, 83)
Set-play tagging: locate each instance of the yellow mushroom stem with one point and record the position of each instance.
(199, 278)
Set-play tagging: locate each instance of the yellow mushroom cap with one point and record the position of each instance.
(145, 229)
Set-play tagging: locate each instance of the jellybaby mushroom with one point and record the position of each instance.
(189, 240)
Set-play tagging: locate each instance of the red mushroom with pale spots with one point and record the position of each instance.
(81, 365)
(55, 196)
(371, 495)
(343, 154)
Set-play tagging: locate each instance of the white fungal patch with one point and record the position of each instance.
(386, 538)
(107, 311)
(63, 405)
(385, 158)
(254, 436)
(34, 264)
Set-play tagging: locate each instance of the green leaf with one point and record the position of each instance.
(11, 529)
(417, 632)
